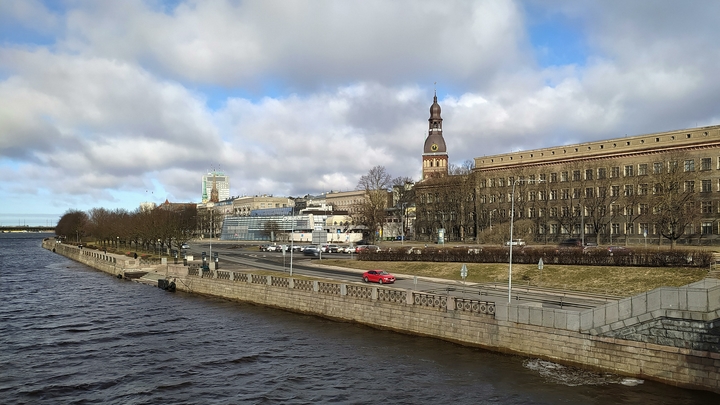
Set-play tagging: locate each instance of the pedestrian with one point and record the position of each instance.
(135, 255)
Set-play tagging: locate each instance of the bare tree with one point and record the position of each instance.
(673, 203)
(372, 210)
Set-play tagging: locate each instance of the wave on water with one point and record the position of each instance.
(573, 376)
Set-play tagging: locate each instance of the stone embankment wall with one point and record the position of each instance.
(558, 335)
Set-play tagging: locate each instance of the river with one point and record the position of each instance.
(73, 335)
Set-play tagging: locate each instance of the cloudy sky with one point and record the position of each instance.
(109, 103)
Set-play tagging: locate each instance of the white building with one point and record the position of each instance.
(222, 185)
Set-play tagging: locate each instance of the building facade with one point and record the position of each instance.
(654, 188)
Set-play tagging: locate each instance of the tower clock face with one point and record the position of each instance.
(434, 147)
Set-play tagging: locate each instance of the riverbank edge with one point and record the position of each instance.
(685, 368)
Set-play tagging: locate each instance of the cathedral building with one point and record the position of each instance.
(435, 157)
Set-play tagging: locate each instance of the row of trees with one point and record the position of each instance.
(168, 226)
(609, 199)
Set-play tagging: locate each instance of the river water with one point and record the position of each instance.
(73, 335)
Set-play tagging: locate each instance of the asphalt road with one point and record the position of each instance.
(236, 256)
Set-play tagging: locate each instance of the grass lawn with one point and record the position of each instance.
(622, 281)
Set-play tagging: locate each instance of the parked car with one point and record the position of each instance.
(616, 249)
(378, 276)
(516, 242)
(367, 248)
(571, 243)
(311, 250)
(272, 248)
(185, 246)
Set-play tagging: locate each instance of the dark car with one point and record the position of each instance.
(311, 250)
(571, 243)
(378, 276)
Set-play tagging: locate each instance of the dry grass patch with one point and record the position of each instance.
(622, 281)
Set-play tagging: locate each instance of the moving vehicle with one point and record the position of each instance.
(367, 248)
(311, 250)
(516, 242)
(378, 276)
(185, 246)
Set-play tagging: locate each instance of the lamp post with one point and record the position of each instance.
(158, 247)
(512, 221)
(292, 239)
(490, 217)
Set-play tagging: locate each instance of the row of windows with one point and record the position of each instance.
(602, 173)
(642, 229)
(626, 190)
(706, 207)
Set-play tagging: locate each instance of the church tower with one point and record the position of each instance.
(435, 158)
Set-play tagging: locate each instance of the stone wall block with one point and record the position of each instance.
(639, 304)
(523, 314)
(670, 298)
(611, 313)
(560, 319)
(536, 316)
(586, 320)
(697, 300)
(682, 299)
(624, 308)
(654, 300)
(714, 299)
(512, 313)
(501, 311)
(599, 317)
(548, 318)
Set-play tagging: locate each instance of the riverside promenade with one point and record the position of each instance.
(671, 335)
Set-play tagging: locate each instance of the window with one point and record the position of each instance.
(531, 212)
(602, 173)
(564, 176)
(615, 229)
(553, 195)
(553, 177)
(706, 207)
(543, 177)
(657, 188)
(615, 172)
(644, 229)
(629, 210)
(705, 164)
(690, 165)
(643, 189)
(576, 193)
(492, 182)
(628, 171)
(615, 191)
(706, 228)
(629, 228)
(543, 195)
(541, 212)
(531, 179)
(511, 180)
(554, 228)
(576, 175)
(589, 192)
(553, 212)
(689, 186)
(501, 182)
(644, 209)
(588, 174)
(642, 169)
(615, 209)
(628, 190)
(565, 194)
(706, 186)
(483, 199)
(657, 167)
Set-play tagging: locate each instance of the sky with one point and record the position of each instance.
(111, 103)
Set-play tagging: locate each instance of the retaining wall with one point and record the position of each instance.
(551, 334)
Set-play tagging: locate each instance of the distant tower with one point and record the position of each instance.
(435, 158)
(220, 182)
(214, 192)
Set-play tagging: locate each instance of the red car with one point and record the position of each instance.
(378, 276)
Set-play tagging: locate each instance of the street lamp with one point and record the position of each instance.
(512, 221)
(292, 239)
(490, 218)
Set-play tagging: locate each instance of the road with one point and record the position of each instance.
(235, 256)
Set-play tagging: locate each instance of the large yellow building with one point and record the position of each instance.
(654, 188)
